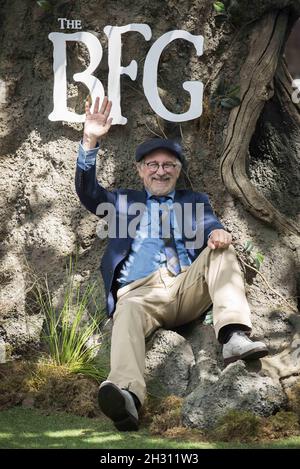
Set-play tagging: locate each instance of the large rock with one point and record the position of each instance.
(168, 363)
(237, 389)
(189, 363)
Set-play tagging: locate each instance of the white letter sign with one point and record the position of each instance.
(115, 69)
(95, 87)
(195, 88)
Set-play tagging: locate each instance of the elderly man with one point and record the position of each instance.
(154, 277)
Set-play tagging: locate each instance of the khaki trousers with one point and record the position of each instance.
(162, 300)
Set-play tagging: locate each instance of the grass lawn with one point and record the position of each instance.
(24, 428)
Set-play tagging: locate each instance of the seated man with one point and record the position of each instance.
(156, 279)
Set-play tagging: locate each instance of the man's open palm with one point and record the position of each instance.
(98, 122)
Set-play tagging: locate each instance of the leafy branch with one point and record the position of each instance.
(48, 5)
(221, 14)
(44, 5)
(257, 258)
(268, 285)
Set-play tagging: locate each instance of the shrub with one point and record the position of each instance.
(294, 399)
(47, 386)
(167, 416)
(281, 425)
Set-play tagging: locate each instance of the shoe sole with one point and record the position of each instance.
(254, 354)
(113, 405)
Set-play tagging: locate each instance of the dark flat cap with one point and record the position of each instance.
(159, 143)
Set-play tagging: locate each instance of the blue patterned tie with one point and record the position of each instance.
(173, 264)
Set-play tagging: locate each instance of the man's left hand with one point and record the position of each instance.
(219, 239)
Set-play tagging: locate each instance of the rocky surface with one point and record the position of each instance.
(188, 363)
(169, 361)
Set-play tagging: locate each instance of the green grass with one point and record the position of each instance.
(24, 428)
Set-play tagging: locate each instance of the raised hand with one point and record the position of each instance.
(97, 123)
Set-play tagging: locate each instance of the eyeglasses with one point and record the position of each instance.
(153, 166)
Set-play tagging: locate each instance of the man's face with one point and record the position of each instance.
(163, 180)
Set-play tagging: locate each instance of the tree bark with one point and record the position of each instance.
(257, 77)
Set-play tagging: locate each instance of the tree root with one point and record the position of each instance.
(268, 285)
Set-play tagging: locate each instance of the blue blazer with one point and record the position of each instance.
(91, 194)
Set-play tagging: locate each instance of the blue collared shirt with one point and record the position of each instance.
(87, 158)
(147, 252)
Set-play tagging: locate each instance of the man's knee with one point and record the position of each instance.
(228, 252)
